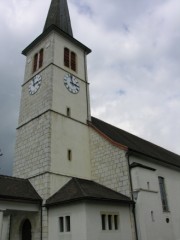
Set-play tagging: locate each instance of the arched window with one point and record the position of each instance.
(26, 230)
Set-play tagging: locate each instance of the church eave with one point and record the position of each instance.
(89, 199)
(58, 30)
(135, 145)
(20, 199)
(86, 190)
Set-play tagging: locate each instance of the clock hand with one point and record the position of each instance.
(71, 81)
(74, 84)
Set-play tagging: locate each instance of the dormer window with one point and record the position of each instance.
(38, 60)
(70, 59)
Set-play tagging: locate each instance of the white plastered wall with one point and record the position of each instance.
(149, 201)
(86, 222)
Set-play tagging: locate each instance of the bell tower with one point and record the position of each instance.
(52, 143)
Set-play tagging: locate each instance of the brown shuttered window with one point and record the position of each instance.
(66, 57)
(70, 59)
(73, 61)
(41, 53)
(35, 62)
(38, 60)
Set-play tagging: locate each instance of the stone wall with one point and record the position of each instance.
(109, 164)
(32, 153)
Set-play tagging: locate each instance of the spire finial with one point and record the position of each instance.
(58, 15)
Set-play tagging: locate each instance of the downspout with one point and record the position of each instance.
(41, 220)
(10, 223)
(87, 88)
(133, 210)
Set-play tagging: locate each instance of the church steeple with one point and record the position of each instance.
(58, 15)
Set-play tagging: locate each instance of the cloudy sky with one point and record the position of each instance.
(134, 69)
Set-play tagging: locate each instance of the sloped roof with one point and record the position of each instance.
(59, 31)
(136, 144)
(81, 189)
(58, 15)
(17, 189)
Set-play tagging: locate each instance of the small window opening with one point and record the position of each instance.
(68, 224)
(61, 223)
(148, 185)
(152, 216)
(65, 224)
(110, 222)
(68, 112)
(163, 194)
(116, 222)
(69, 155)
(103, 220)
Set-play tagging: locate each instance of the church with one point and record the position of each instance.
(76, 177)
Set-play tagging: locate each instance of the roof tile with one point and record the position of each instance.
(81, 189)
(136, 144)
(17, 188)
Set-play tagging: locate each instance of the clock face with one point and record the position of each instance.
(71, 83)
(35, 84)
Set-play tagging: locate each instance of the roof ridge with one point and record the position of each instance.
(79, 185)
(108, 188)
(99, 184)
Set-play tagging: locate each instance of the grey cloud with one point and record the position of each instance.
(143, 61)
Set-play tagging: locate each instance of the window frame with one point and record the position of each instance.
(66, 57)
(65, 224)
(163, 194)
(109, 221)
(73, 61)
(38, 60)
(70, 59)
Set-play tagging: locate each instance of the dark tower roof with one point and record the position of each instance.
(58, 15)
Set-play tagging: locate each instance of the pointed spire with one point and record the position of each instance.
(58, 15)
